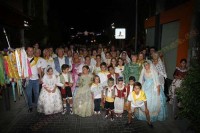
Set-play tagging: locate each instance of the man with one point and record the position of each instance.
(60, 60)
(34, 80)
(132, 69)
(40, 60)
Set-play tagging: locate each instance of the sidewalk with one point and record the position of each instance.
(18, 119)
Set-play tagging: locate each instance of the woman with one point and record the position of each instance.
(83, 102)
(159, 65)
(125, 57)
(50, 101)
(156, 101)
(179, 75)
(48, 58)
(93, 57)
(76, 70)
(120, 67)
(141, 59)
(132, 69)
(97, 68)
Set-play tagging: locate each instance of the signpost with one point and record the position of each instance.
(120, 34)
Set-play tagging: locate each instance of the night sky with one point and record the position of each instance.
(93, 15)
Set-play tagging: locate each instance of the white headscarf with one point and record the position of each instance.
(160, 67)
(154, 75)
(127, 58)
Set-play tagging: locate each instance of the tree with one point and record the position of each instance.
(189, 95)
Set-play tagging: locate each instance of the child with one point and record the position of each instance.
(112, 74)
(66, 80)
(130, 85)
(50, 101)
(107, 58)
(129, 89)
(137, 99)
(96, 90)
(120, 94)
(109, 97)
(103, 74)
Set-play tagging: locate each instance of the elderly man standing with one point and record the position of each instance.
(34, 81)
(60, 60)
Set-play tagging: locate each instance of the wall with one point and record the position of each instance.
(184, 14)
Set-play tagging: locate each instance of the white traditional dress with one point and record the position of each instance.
(119, 99)
(50, 103)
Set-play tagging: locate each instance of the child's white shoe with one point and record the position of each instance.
(71, 112)
(95, 112)
(106, 116)
(64, 111)
(99, 112)
(112, 119)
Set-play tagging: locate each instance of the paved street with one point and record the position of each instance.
(19, 120)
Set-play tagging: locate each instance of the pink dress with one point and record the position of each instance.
(76, 69)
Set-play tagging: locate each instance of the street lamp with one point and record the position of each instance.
(113, 25)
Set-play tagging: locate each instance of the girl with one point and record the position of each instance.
(120, 68)
(179, 75)
(83, 103)
(50, 101)
(120, 94)
(96, 90)
(114, 62)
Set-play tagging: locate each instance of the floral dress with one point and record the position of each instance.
(49, 103)
(83, 104)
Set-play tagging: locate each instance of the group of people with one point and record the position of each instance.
(85, 81)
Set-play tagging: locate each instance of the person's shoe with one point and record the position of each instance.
(99, 113)
(112, 119)
(150, 125)
(64, 111)
(95, 112)
(30, 110)
(120, 115)
(116, 115)
(71, 112)
(106, 116)
(128, 124)
(133, 116)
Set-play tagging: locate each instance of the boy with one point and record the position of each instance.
(112, 74)
(130, 85)
(129, 89)
(137, 99)
(109, 97)
(103, 74)
(66, 80)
